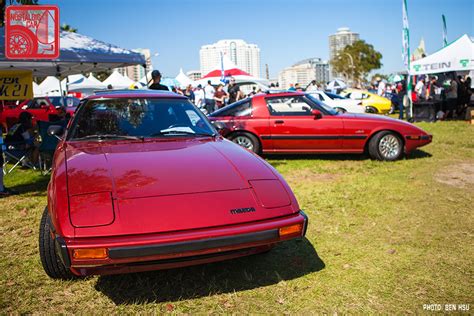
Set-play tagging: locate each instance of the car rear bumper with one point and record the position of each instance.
(170, 250)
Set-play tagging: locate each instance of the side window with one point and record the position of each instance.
(356, 95)
(291, 106)
(239, 109)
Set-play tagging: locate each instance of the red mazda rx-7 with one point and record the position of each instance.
(142, 181)
(295, 122)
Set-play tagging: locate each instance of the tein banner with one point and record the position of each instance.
(32, 32)
(16, 84)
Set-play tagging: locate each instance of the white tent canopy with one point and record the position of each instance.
(94, 80)
(184, 80)
(336, 84)
(85, 85)
(118, 81)
(457, 56)
(37, 90)
(50, 86)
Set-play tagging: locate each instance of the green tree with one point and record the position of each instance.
(68, 28)
(13, 2)
(356, 61)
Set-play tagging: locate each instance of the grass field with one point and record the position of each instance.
(383, 237)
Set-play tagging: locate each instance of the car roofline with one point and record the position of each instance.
(137, 93)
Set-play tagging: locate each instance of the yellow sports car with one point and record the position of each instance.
(372, 102)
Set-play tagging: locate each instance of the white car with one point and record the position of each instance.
(338, 102)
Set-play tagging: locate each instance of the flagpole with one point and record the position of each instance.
(406, 53)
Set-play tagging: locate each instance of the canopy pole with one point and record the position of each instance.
(146, 75)
(58, 75)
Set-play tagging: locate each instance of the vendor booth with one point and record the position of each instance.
(457, 57)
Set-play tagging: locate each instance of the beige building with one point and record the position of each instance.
(304, 72)
(245, 56)
(137, 72)
(338, 41)
(194, 74)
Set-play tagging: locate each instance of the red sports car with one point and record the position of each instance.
(42, 109)
(295, 122)
(142, 181)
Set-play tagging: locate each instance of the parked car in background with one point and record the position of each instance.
(142, 181)
(295, 122)
(372, 102)
(42, 109)
(339, 103)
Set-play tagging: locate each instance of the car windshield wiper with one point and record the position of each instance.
(110, 136)
(180, 132)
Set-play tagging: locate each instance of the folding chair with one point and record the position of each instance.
(48, 144)
(15, 154)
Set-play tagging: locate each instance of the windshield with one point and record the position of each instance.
(59, 101)
(129, 118)
(326, 108)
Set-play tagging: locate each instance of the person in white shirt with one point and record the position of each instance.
(199, 99)
(209, 97)
(381, 88)
(420, 85)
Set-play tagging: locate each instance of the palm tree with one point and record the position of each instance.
(68, 28)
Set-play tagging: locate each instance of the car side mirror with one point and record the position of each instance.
(56, 131)
(220, 127)
(317, 114)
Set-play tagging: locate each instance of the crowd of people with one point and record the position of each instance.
(208, 98)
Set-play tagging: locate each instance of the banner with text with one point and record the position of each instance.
(16, 84)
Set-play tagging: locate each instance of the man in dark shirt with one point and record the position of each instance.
(156, 77)
(234, 91)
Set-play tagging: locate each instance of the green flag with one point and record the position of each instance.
(445, 32)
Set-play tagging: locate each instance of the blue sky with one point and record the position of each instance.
(285, 30)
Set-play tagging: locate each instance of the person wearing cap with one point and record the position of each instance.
(156, 85)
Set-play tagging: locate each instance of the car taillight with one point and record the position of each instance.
(90, 253)
(295, 229)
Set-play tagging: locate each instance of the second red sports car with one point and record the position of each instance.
(295, 122)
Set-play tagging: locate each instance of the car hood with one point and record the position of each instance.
(135, 169)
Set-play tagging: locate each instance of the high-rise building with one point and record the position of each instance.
(245, 56)
(194, 74)
(137, 72)
(338, 41)
(303, 72)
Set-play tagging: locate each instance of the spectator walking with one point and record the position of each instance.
(452, 98)
(209, 92)
(156, 85)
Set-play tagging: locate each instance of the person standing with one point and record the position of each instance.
(219, 96)
(199, 99)
(452, 98)
(156, 85)
(381, 88)
(188, 92)
(402, 99)
(420, 88)
(209, 92)
(234, 92)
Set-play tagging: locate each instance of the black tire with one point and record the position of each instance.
(385, 146)
(247, 141)
(371, 109)
(52, 265)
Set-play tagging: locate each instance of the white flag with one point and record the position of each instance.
(405, 37)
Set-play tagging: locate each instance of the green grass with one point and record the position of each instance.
(383, 237)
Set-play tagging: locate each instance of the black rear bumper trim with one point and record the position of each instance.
(209, 243)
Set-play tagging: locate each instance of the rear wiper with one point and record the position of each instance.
(182, 133)
(110, 136)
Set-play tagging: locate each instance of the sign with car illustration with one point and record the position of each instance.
(32, 32)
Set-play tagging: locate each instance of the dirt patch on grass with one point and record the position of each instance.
(310, 176)
(458, 175)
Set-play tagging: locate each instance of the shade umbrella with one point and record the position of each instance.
(395, 78)
(336, 84)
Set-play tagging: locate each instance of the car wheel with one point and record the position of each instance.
(247, 141)
(340, 110)
(371, 109)
(386, 146)
(52, 265)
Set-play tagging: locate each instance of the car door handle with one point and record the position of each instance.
(279, 122)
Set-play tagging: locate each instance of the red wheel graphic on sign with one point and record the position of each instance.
(22, 41)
